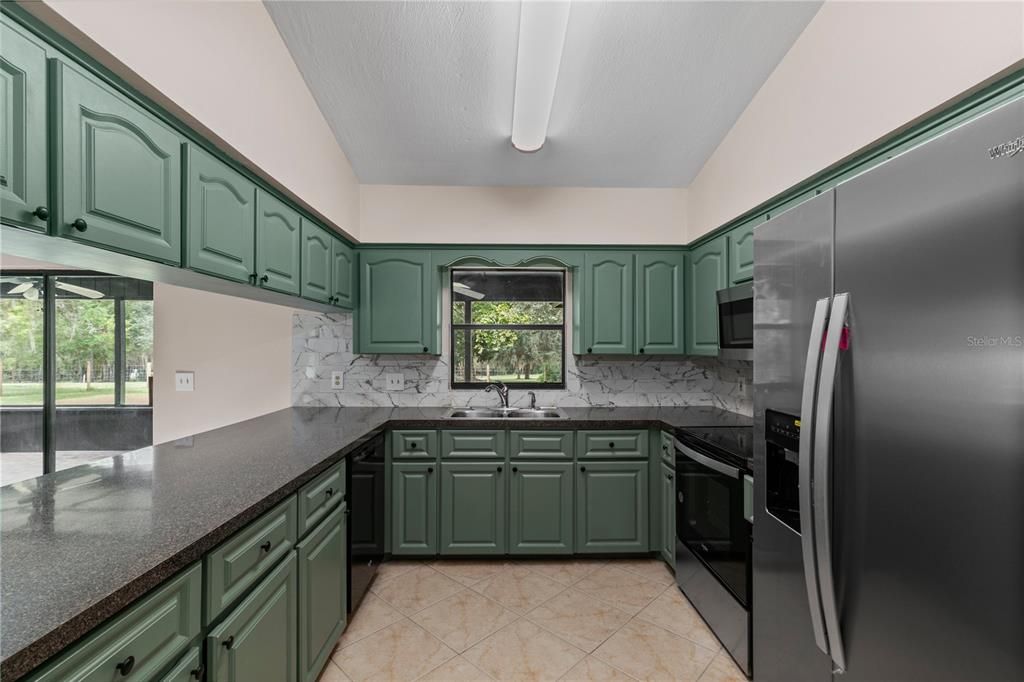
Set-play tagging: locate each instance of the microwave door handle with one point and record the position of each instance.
(703, 460)
(822, 474)
(806, 474)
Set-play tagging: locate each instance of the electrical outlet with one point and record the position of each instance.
(395, 382)
(184, 381)
(337, 380)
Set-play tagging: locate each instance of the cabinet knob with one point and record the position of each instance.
(499, 470)
(264, 279)
(611, 444)
(198, 673)
(668, 476)
(515, 470)
(590, 350)
(329, 492)
(641, 351)
(228, 643)
(582, 469)
(41, 212)
(425, 349)
(412, 446)
(80, 225)
(266, 546)
(430, 470)
(126, 666)
(253, 278)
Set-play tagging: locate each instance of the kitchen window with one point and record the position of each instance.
(509, 326)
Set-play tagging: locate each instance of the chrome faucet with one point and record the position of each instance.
(533, 399)
(502, 390)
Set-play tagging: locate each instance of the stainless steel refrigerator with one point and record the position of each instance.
(889, 419)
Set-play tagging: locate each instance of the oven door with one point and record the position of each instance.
(736, 322)
(710, 518)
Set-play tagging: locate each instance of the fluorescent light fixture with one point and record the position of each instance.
(542, 25)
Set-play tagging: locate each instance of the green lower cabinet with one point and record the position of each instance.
(143, 641)
(119, 170)
(189, 668)
(667, 499)
(611, 507)
(706, 273)
(413, 508)
(23, 151)
(472, 508)
(323, 565)
(258, 640)
(221, 214)
(540, 508)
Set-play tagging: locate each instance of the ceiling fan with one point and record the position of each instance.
(461, 288)
(31, 290)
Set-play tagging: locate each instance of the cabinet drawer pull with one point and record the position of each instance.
(80, 225)
(412, 446)
(228, 643)
(264, 279)
(253, 278)
(266, 546)
(41, 212)
(668, 476)
(126, 666)
(198, 673)
(329, 492)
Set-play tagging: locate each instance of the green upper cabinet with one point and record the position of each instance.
(23, 155)
(472, 508)
(659, 302)
(611, 507)
(221, 213)
(741, 253)
(119, 170)
(608, 300)
(278, 244)
(317, 245)
(706, 273)
(343, 271)
(540, 508)
(396, 302)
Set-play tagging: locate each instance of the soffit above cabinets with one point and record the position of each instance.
(421, 92)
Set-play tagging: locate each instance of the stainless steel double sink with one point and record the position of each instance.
(505, 413)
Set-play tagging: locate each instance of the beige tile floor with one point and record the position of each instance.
(528, 620)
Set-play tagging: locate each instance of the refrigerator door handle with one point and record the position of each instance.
(807, 534)
(822, 474)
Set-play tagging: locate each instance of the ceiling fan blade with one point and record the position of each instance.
(21, 288)
(81, 291)
(31, 294)
(466, 291)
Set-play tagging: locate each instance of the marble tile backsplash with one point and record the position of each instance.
(322, 344)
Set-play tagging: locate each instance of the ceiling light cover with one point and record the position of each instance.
(542, 27)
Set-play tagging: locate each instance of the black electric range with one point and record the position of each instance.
(732, 444)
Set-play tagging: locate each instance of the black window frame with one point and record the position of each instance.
(455, 327)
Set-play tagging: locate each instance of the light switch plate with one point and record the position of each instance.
(184, 381)
(395, 382)
(337, 380)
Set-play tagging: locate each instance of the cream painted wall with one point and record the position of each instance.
(226, 64)
(528, 215)
(240, 351)
(858, 71)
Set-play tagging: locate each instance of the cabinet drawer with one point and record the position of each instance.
(143, 640)
(317, 498)
(189, 667)
(239, 563)
(541, 445)
(473, 444)
(413, 444)
(668, 449)
(611, 444)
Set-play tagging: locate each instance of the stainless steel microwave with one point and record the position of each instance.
(736, 322)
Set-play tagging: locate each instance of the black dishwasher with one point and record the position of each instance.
(365, 498)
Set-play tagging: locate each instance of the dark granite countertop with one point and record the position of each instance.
(80, 545)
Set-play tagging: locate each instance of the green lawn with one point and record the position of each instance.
(68, 393)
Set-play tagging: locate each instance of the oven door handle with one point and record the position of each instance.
(704, 460)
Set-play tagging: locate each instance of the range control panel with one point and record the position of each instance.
(782, 427)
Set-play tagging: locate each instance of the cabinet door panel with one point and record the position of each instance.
(414, 509)
(188, 668)
(705, 275)
(473, 444)
(472, 508)
(316, 262)
(611, 444)
(611, 507)
(23, 149)
(342, 274)
(608, 296)
(278, 240)
(668, 515)
(221, 235)
(323, 588)
(414, 445)
(659, 309)
(541, 508)
(396, 302)
(258, 640)
(541, 445)
(741, 254)
(120, 171)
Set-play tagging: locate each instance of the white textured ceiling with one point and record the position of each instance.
(421, 92)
